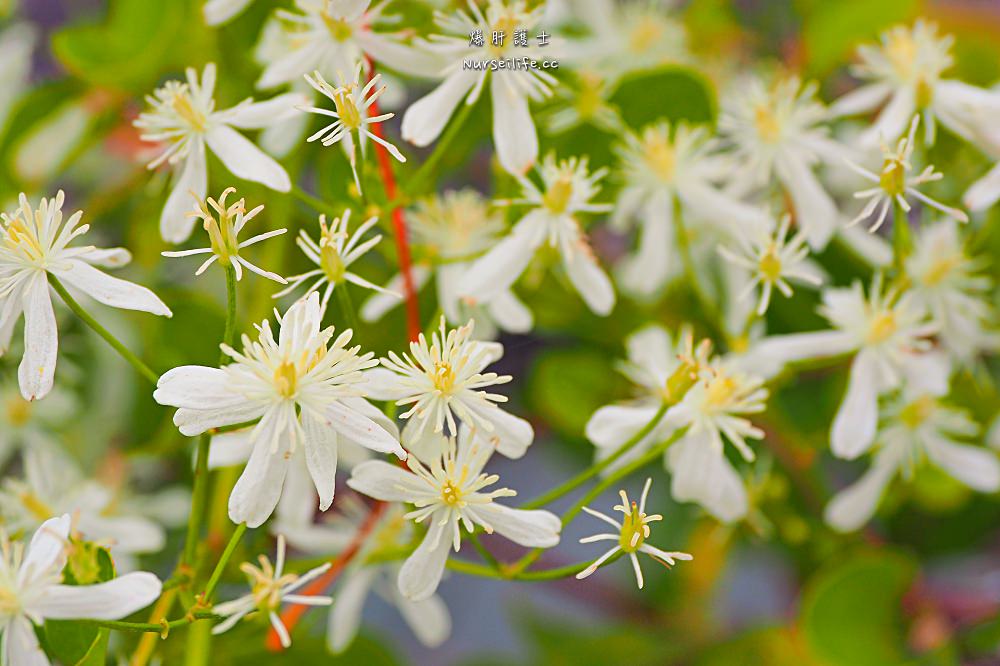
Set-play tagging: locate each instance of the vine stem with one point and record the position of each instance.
(902, 240)
(597, 468)
(115, 343)
(472, 569)
(312, 201)
(416, 183)
(161, 628)
(220, 566)
(347, 307)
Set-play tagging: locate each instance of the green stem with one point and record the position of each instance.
(486, 554)
(346, 307)
(140, 367)
(555, 573)
(902, 241)
(691, 275)
(220, 566)
(120, 625)
(313, 202)
(416, 182)
(198, 495)
(599, 467)
(229, 337)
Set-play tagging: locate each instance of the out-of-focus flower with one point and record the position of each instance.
(17, 42)
(633, 531)
(567, 190)
(182, 116)
(514, 135)
(776, 131)
(270, 587)
(955, 291)
(26, 425)
(217, 12)
(336, 250)
(448, 493)
(917, 426)
(905, 73)
(224, 236)
(32, 590)
(428, 619)
(304, 391)
(33, 245)
(665, 168)
(772, 259)
(53, 485)
(883, 330)
(441, 381)
(893, 184)
(451, 230)
(586, 104)
(351, 102)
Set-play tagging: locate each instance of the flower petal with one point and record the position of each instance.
(345, 616)
(530, 528)
(853, 428)
(175, 225)
(246, 160)
(41, 341)
(975, 467)
(425, 118)
(389, 483)
(700, 473)
(320, 447)
(20, 644)
(429, 618)
(421, 573)
(196, 387)
(854, 506)
(499, 268)
(362, 430)
(514, 135)
(589, 279)
(265, 114)
(47, 549)
(257, 491)
(510, 313)
(111, 290)
(104, 601)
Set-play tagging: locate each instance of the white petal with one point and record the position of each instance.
(892, 121)
(421, 573)
(800, 346)
(48, 545)
(854, 425)
(11, 309)
(320, 447)
(514, 135)
(104, 601)
(814, 208)
(533, 529)
(175, 225)
(613, 425)
(984, 192)
(590, 280)
(860, 100)
(246, 160)
(510, 313)
(382, 384)
(127, 534)
(345, 616)
(220, 11)
(230, 448)
(41, 341)
(429, 619)
(425, 118)
(196, 421)
(362, 430)
(647, 270)
(297, 506)
(511, 434)
(111, 290)
(257, 491)
(700, 473)
(381, 302)
(196, 387)
(264, 114)
(854, 506)
(114, 257)
(975, 467)
(20, 644)
(383, 481)
(498, 269)
(365, 408)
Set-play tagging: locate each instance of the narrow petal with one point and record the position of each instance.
(854, 506)
(47, 549)
(700, 473)
(854, 425)
(111, 290)
(265, 114)
(499, 268)
(345, 617)
(976, 467)
(590, 280)
(320, 447)
(514, 135)
(425, 118)
(429, 619)
(421, 573)
(362, 430)
(246, 160)
(20, 644)
(510, 313)
(104, 601)
(511, 434)
(41, 341)
(257, 491)
(196, 387)
(175, 225)
(389, 483)
(533, 529)
(815, 210)
(984, 192)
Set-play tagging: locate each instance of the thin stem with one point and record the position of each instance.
(140, 367)
(198, 495)
(147, 644)
(416, 183)
(599, 467)
(229, 336)
(346, 307)
(473, 569)
(902, 241)
(482, 550)
(313, 202)
(220, 566)
(160, 628)
(691, 275)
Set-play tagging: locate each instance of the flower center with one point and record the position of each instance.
(893, 177)
(882, 327)
(10, 605)
(660, 157)
(182, 105)
(770, 265)
(286, 379)
(720, 391)
(768, 127)
(504, 25)
(940, 269)
(451, 494)
(22, 239)
(634, 530)
(917, 412)
(329, 256)
(901, 50)
(444, 377)
(645, 34)
(339, 29)
(588, 100)
(18, 411)
(557, 197)
(346, 108)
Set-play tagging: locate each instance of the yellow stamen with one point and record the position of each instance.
(557, 197)
(883, 326)
(286, 379)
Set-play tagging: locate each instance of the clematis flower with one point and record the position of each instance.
(776, 133)
(26, 425)
(893, 184)
(270, 587)
(306, 393)
(217, 12)
(351, 102)
(224, 236)
(35, 243)
(183, 117)
(882, 331)
(336, 250)
(32, 590)
(918, 427)
(633, 531)
(567, 190)
(451, 230)
(441, 382)
(514, 135)
(448, 493)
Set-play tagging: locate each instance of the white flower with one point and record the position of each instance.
(954, 289)
(893, 184)
(567, 190)
(183, 118)
(217, 12)
(224, 235)
(332, 36)
(448, 493)
(772, 259)
(269, 588)
(428, 619)
(905, 72)
(33, 244)
(633, 531)
(17, 42)
(304, 390)
(351, 102)
(26, 425)
(336, 250)
(664, 167)
(441, 381)
(883, 330)
(588, 104)
(53, 485)
(452, 229)
(31, 592)
(514, 135)
(776, 131)
(917, 427)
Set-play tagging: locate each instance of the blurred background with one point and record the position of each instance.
(920, 585)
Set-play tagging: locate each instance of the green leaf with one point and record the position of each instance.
(568, 385)
(851, 609)
(833, 30)
(671, 93)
